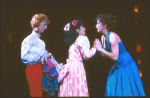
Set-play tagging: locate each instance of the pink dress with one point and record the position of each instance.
(75, 83)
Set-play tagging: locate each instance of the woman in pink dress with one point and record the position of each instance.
(72, 76)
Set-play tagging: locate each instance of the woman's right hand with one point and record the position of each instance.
(63, 77)
(48, 55)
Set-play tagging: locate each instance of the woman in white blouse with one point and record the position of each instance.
(33, 53)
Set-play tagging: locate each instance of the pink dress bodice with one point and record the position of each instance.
(74, 53)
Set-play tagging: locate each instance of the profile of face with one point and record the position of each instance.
(99, 26)
(81, 30)
(42, 27)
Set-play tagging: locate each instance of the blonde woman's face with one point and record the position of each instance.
(42, 27)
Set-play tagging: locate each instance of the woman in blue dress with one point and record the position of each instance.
(123, 79)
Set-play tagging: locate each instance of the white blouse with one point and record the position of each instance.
(32, 49)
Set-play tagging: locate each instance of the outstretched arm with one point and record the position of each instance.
(87, 53)
(84, 47)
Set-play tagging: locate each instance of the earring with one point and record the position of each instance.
(36, 30)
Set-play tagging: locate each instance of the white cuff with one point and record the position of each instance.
(93, 50)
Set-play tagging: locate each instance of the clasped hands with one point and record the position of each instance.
(97, 44)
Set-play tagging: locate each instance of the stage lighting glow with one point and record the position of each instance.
(136, 9)
(139, 61)
(140, 73)
(138, 48)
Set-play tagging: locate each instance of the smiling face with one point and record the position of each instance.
(81, 30)
(99, 26)
(42, 27)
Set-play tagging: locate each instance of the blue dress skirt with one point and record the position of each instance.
(124, 78)
(49, 79)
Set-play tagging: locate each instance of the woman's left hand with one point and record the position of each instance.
(97, 44)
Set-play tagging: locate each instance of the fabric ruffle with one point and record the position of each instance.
(49, 79)
(83, 42)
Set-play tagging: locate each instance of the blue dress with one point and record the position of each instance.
(123, 79)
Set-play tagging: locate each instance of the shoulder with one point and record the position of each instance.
(28, 39)
(82, 39)
(113, 38)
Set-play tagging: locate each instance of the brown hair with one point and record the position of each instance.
(107, 19)
(37, 19)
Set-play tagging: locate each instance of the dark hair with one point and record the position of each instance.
(107, 19)
(71, 35)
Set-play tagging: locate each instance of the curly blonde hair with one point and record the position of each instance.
(37, 19)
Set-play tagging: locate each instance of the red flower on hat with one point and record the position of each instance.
(74, 22)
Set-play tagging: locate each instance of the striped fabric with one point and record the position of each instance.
(74, 84)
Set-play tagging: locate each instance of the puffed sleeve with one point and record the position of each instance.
(28, 57)
(84, 47)
(30, 52)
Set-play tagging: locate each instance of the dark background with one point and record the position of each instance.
(133, 28)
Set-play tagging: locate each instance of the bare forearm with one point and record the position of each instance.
(108, 54)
